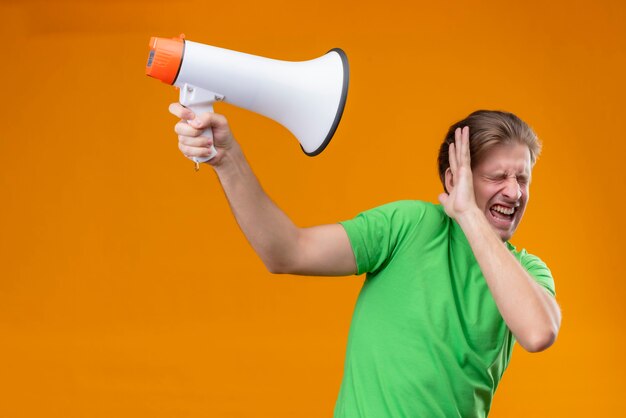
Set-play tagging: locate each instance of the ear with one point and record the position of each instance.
(449, 180)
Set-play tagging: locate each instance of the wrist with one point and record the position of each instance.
(469, 217)
(476, 227)
(231, 162)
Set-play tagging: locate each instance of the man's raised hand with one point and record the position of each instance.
(460, 198)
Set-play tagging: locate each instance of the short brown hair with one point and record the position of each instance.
(489, 128)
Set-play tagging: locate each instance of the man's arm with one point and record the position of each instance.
(282, 246)
(531, 314)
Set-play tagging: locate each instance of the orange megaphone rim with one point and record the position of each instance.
(166, 57)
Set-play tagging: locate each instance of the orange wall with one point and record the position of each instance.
(126, 288)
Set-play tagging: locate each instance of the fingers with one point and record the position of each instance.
(191, 142)
(195, 146)
(452, 158)
(181, 111)
(193, 128)
(214, 121)
(184, 128)
(192, 151)
(465, 151)
(459, 146)
(460, 149)
(195, 141)
(201, 121)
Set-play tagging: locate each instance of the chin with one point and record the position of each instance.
(505, 228)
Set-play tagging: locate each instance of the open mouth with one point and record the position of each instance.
(502, 213)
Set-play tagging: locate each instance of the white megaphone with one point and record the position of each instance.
(306, 97)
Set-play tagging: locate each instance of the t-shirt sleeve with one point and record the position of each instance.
(538, 270)
(375, 233)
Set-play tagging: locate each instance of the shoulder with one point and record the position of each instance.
(408, 209)
(400, 218)
(527, 259)
(378, 233)
(535, 266)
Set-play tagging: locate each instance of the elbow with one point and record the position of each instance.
(539, 341)
(541, 336)
(280, 258)
(273, 268)
(277, 267)
(281, 262)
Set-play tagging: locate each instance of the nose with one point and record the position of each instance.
(512, 189)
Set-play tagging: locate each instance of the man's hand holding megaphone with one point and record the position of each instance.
(190, 128)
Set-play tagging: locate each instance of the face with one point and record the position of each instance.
(501, 186)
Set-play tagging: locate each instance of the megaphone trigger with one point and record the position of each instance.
(200, 101)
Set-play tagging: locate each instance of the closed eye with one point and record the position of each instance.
(496, 178)
(523, 180)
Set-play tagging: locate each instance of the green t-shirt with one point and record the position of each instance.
(426, 338)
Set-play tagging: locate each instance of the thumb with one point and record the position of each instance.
(210, 120)
(201, 121)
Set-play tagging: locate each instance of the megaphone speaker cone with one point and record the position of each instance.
(340, 106)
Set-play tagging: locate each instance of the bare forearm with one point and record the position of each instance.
(530, 312)
(268, 229)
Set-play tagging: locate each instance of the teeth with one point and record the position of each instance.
(502, 209)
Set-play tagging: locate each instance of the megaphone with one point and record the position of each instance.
(306, 97)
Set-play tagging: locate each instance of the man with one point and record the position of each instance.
(446, 295)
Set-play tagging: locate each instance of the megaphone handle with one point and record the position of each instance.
(199, 101)
(199, 109)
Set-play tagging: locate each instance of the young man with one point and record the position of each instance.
(445, 296)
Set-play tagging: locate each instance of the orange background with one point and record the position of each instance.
(126, 288)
